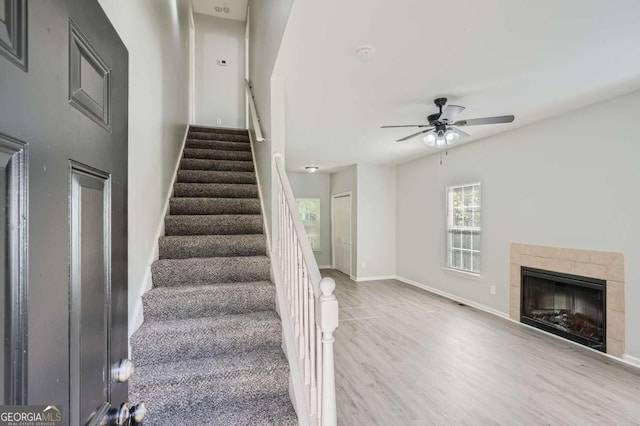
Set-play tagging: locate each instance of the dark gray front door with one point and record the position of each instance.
(63, 181)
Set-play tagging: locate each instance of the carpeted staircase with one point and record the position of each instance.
(209, 350)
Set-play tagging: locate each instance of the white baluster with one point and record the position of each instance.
(328, 321)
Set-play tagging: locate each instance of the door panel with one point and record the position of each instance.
(342, 233)
(39, 105)
(90, 290)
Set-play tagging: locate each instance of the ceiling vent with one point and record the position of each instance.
(365, 53)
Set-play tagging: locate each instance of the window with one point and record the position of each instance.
(463, 228)
(309, 210)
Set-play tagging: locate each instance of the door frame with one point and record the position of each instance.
(333, 228)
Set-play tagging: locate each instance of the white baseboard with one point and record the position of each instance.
(324, 267)
(375, 278)
(467, 302)
(631, 360)
(137, 317)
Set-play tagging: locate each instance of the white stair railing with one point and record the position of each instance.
(310, 305)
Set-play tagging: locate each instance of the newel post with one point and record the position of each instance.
(327, 318)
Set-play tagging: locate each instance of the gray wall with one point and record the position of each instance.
(156, 33)
(376, 221)
(268, 20)
(569, 181)
(346, 180)
(317, 185)
(219, 89)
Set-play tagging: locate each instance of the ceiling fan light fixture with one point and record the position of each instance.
(451, 137)
(440, 141)
(430, 139)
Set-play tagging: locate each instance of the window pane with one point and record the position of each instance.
(457, 198)
(476, 241)
(456, 261)
(468, 218)
(455, 239)
(466, 240)
(476, 262)
(476, 218)
(468, 195)
(458, 218)
(466, 260)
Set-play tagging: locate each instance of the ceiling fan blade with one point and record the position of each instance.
(413, 135)
(486, 120)
(450, 112)
(406, 125)
(460, 133)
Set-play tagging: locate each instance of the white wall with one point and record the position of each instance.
(316, 185)
(346, 180)
(268, 20)
(570, 181)
(219, 89)
(376, 221)
(156, 35)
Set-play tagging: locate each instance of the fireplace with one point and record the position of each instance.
(570, 306)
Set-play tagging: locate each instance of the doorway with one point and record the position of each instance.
(341, 232)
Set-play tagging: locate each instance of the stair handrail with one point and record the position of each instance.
(310, 304)
(255, 118)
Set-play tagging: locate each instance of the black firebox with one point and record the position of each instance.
(567, 305)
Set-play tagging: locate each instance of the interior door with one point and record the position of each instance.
(342, 233)
(63, 165)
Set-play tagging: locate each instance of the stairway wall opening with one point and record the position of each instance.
(219, 71)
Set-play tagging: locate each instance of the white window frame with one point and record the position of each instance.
(475, 266)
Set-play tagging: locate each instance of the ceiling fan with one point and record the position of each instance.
(442, 128)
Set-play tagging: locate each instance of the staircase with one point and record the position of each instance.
(209, 350)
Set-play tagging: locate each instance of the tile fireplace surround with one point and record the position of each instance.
(595, 264)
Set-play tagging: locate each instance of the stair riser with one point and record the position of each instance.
(204, 176)
(228, 301)
(230, 272)
(215, 190)
(213, 154)
(219, 145)
(218, 137)
(204, 225)
(212, 206)
(213, 391)
(185, 248)
(219, 165)
(181, 346)
(223, 130)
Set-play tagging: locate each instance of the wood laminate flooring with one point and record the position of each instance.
(405, 356)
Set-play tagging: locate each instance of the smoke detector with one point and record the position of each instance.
(365, 53)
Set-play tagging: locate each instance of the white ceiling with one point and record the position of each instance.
(237, 8)
(530, 59)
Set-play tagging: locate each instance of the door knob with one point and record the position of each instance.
(122, 370)
(116, 416)
(137, 413)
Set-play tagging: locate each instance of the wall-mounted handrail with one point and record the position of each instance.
(254, 112)
(309, 304)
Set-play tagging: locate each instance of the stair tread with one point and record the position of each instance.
(216, 176)
(214, 129)
(275, 411)
(191, 246)
(212, 206)
(216, 190)
(221, 165)
(209, 270)
(173, 303)
(221, 224)
(218, 366)
(217, 154)
(221, 145)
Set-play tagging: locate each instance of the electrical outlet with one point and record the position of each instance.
(364, 265)
(492, 289)
(218, 120)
